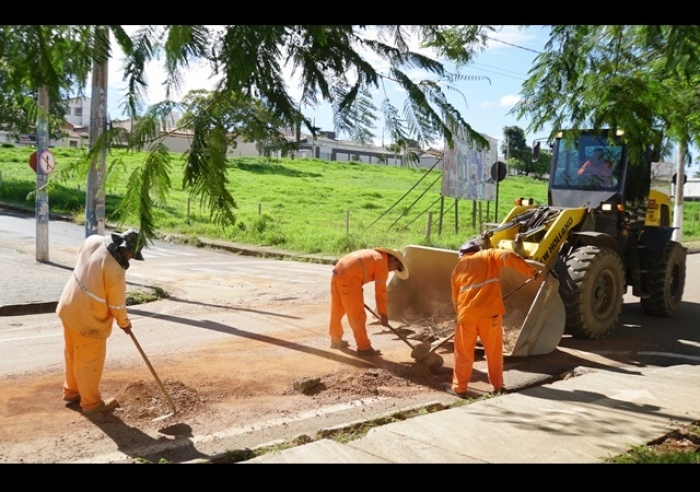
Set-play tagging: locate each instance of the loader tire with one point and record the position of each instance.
(665, 281)
(592, 286)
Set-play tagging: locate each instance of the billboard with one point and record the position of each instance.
(466, 171)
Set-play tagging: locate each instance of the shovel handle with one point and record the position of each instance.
(390, 327)
(443, 342)
(153, 371)
(546, 272)
(504, 298)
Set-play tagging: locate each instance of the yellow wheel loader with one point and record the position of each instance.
(598, 235)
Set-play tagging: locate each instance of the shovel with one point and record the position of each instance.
(443, 342)
(418, 352)
(160, 384)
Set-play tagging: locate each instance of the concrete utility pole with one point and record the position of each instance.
(42, 197)
(678, 199)
(95, 195)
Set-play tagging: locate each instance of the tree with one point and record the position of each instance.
(641, 79)
(333, 63)
(515, 148)
(35, 56)
(18, 112)
(514, 143)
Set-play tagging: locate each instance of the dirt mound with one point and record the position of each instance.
(397, 380)
(144, 401)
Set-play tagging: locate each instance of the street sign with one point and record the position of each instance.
(499, 171)
(47, 162)
(32, 161)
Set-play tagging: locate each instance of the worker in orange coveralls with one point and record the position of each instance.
(93, 298)
(349, 275)
(476, 295)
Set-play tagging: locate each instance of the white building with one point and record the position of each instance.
(78, 111)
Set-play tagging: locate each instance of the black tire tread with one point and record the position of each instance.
(664, 298)
(576, 288)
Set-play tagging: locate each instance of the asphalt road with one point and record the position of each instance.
(637, 340)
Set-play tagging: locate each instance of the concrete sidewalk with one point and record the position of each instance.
(584, 419)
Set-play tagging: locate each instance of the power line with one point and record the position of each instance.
(522, 77)
(515, 45)
(499, 68)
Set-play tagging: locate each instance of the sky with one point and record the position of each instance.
(484, 103)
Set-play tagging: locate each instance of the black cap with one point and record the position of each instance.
(467, 247)
(131, 241)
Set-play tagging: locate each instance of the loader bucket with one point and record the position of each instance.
(535, 316)
(427, 292)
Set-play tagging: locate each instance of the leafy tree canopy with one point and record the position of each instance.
(340, 64)
(642, 79)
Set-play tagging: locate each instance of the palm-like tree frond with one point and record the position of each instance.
(147, 188)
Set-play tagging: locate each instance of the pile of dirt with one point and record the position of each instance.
(432, 329)
(144, 401)
(395, 381)
(429, 329)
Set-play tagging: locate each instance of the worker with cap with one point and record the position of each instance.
(476, 295)
(350, 274)
(92, 300)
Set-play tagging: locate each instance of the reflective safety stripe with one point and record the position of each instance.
(465, 288)
(94, 296)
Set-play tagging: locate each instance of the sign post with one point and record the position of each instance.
(42, 197)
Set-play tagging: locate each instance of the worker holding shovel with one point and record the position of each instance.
(476, 295)
(93, 298)
(349, 275)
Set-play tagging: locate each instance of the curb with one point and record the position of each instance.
(301, 439)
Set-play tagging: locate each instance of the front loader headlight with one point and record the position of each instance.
(606, 207)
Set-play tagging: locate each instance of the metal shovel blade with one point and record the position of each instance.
(420, 350)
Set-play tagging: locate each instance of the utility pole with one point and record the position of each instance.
(95, 194)
(42, 197)
(678, 199)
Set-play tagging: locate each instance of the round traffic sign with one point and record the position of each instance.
(499, 171)
(47, 162)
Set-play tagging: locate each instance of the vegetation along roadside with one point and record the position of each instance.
(307, 206)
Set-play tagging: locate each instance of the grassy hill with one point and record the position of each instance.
(303, 205)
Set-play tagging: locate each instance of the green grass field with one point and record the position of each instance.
(307, 206)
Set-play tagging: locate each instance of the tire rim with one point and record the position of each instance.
(604, 295)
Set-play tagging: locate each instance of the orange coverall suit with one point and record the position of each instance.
(349, 275)
(92, 299)
(476, 295)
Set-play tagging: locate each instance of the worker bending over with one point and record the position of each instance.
(93, 298)
(477, 299)
(347, 298)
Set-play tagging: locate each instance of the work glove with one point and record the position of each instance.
(127, 329)
(384, 320)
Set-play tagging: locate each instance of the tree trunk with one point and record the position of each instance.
(95, 195)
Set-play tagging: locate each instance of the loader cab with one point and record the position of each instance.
(586, 171)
